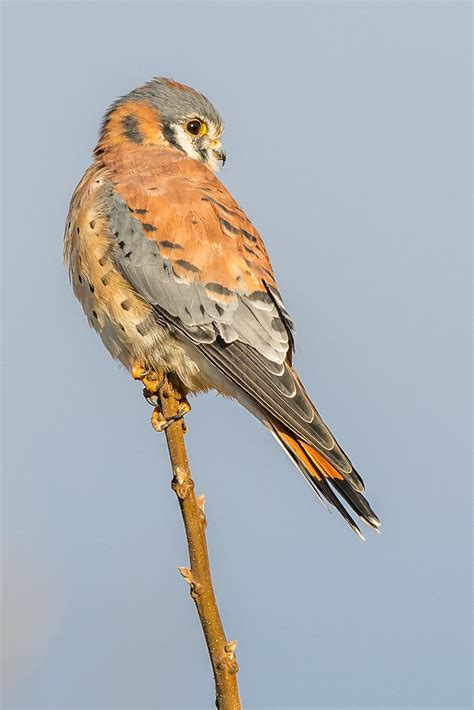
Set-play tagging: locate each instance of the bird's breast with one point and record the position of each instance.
(128, 325)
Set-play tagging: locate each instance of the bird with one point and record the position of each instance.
(177, 281)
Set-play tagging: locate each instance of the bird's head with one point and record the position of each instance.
(169, 115)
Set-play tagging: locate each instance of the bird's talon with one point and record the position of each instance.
(184, 408)
(152, 382)
(160, 423)
(138, 372)
(151, 398)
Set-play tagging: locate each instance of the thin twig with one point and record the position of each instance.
(198, 576)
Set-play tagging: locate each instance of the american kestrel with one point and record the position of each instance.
(176, 279)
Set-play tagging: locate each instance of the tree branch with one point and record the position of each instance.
(221, 652)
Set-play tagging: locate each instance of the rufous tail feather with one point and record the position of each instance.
(327, 481)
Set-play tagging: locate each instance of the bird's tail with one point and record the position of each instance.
(325, 479)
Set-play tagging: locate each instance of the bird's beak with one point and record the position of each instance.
(219, 153)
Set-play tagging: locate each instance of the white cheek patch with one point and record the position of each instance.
(213, 163)
(185, 141)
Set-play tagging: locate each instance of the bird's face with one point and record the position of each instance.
(199, 137)
(170, 115)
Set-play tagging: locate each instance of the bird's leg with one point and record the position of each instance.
(161, 423)
(153, 382)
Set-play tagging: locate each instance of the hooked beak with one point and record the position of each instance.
(220, 154)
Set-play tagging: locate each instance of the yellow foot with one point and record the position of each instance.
(160, 423)
(152, 380)
(138, 372)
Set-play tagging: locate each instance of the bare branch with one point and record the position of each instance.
(198, 576)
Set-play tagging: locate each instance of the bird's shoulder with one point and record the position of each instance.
(188, 212)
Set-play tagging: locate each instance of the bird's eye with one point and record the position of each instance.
(196, 127)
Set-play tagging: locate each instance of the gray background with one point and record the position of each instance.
(348, 133)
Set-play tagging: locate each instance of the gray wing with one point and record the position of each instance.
(206, 311)
(246, 336)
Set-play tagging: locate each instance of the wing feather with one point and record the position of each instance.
(186, 247)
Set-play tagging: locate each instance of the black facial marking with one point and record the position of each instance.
(94, 314)
(148, 227)
(140, 211)
(187, 265)
(170, 135)
(131, 129)
(218, 288)
(202, 152)
(219, 309)
(80, 278)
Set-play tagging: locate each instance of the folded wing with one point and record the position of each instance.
(188, 249)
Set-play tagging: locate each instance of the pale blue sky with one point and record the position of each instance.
(348, 143)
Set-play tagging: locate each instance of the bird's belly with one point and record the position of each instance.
(126, 323)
